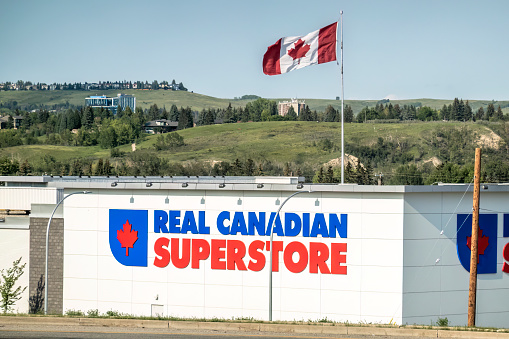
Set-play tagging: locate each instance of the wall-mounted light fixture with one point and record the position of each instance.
(167, 200)
(148, 184)
(202, 201)
(185, 184)
(300, 186)
(259, 186)
(222, 185)
(317, 202)
(239, 202)
(278, 202)
(114, 184)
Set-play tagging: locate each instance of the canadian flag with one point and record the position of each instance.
(291, 53)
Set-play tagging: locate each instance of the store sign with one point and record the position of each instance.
(128, 237)
(486, 243)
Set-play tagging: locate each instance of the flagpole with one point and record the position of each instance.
(342, 110)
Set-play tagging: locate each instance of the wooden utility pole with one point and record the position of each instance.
(473, 241)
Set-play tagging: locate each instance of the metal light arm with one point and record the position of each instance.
(271, 236)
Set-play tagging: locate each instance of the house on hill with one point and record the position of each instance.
(160, 126)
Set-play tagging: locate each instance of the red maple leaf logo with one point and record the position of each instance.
(299, 51)
(482, 244)
(127, 237)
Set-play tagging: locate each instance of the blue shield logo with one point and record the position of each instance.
(129, 236)
(487, 242)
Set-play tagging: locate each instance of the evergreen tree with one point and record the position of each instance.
(320, 177)
(499, 115)
(329, 177)
(10, 122)
(87, 120)
(100, 167)
(164, 113)
(185, 119)
(229, 115)
(286, 171)
(237, 168)
(490, 112)
(24, 168)
(468, 112)
(348, 113)
(454, 108)
(291, 115)
(174, 113)
(349, 173)
(106, 167)
(479, 115)
(128, 112)
(249, 168)
(305, 115)
(153, 112)
(360, 174)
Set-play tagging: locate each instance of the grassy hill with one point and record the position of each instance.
(145, 98)
(307, 145)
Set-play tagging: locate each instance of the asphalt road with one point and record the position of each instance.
(92, 332)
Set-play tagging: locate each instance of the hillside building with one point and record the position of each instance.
(122, 100)
(298, 106)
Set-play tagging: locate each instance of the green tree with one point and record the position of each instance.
(185, 119)
(229, 115)
(174, 113)
(153, 112)
(108, 137)
(291, 115)
(331, 114)
(348, 113)
(10, 122)
(468, 111)
(128, 112)
(479, 115)
(499, 115)
(87, 120)
(407, 175)
(249, 169)
(349, 173)
(426, 114)
(24, 168)
(8, 166)
(10, 294)
(305, 114)
(490, 112)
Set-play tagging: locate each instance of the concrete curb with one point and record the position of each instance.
(325, 328)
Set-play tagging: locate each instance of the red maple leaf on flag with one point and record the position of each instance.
(482, 244)
(300, 50)
(127, 237)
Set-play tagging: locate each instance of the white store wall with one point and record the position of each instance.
(94, 279)
(435, 283)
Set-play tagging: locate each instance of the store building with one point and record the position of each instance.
(199, 247)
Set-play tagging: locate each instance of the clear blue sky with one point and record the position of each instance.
(397, 49)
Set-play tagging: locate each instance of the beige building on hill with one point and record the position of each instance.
(298, 106)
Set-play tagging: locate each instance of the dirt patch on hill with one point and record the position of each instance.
(490, 140)
(434, 160)
(349, 159)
